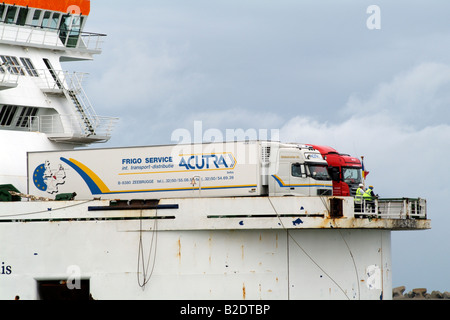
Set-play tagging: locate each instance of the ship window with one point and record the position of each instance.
(22, 18)
(46, 18)
(11, 14)
(29, 67)
(64, 27)
(77, 22)
(2, 11)
(36, 17)
(75, 31)
(12, 65)
(7, 114)
(27, 116)
(54, 21)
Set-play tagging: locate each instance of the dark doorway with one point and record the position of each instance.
(58, 290)
(336, 209)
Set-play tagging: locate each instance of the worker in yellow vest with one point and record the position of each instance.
(359, 193)
(359, 198)
(369, 197)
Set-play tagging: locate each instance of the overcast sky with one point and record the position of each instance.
(312, 70)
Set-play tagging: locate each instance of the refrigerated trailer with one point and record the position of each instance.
(229, 169)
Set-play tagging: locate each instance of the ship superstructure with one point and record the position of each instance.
(43, 106)
(286, 244)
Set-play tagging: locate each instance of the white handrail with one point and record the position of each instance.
(32, 35)
(8, 78)
(69, 124)
(393, 208)
(64, 79)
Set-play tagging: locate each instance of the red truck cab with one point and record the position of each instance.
(345, 170)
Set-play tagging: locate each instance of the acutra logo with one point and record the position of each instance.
(208, 161)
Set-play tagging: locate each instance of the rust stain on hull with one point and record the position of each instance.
(179, 249)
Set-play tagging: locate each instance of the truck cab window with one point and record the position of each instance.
(352, 175)
(298, 170)
(319, 171)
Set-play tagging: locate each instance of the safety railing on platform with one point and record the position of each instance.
(70, 84)
(47, 37)
(70, 124)
(393, 208)
(7, 79)
(48, 80)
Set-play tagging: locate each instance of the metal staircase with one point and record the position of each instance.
(70, 85)
(89, 129)
(83, 108)
(83, 125)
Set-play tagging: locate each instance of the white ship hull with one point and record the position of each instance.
(195, 249)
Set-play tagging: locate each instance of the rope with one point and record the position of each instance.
(42, 211)
(304, 251)
(354, 264)
(325, 203)
(145, 278)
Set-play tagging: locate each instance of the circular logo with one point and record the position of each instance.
(38, 178)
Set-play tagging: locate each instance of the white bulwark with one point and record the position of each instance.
(198, 248)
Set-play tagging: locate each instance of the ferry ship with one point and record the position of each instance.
(228, 248)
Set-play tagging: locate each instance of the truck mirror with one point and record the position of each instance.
(334, 173)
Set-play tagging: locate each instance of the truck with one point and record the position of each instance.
(344, 170)
(225, 169)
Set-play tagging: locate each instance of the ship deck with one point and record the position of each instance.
(236, 213)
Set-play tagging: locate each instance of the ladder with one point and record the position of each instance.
(75, 93)
(88, 125)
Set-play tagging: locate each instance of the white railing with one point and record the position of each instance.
(84, 122)
(70, 125)
(75, 86)
(58, 79)
(92, 41)
(45, 79)
(393, 208)
(8, 79)
(69, 84)
(45, 37)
